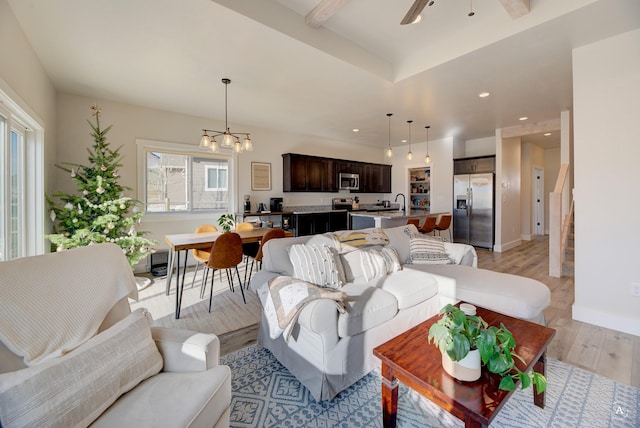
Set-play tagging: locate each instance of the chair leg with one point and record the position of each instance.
(205, 275)
(211, 292)
(241, 287)
(193, 281)
(246, 283)
(230, 281)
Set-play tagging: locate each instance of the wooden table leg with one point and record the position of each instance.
(471, 423)
(540, 366)
(389, 397)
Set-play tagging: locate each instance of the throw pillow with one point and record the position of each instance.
(73, 390)
(364, 265)
(349, 240)
(314, 264)
(427, 250)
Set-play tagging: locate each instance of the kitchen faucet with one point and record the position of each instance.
(404, 201)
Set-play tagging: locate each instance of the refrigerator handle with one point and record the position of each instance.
(470, 204)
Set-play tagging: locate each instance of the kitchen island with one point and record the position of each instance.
(363, 220)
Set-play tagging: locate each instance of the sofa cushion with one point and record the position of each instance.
(512, 295)
(427, 250)
(172, 400)
(73, 390)
(366, 307)
(410, 287)
(315, 264)
(276, 254)
(399, 238)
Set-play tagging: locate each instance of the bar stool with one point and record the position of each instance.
(415, 222)
(444, 224)
(429, 224)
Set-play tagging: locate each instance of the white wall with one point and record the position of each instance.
(508, 214)
(480, 147)
(551, 171)
(606, 87)
(23, 79)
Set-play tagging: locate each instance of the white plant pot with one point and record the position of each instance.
(467, 369)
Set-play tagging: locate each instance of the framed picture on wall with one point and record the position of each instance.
(260, 176)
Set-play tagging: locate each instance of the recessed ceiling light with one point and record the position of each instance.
(356, 130)
(524, 118)
(484, 94)
(547, 134)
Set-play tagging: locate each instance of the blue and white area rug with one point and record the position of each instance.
(265, 394)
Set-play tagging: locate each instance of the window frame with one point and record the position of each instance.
(144, 146)
(32, 214)
(207, 169)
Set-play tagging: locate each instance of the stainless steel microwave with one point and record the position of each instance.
(349, 181)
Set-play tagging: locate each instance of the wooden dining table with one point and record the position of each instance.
(183, 242)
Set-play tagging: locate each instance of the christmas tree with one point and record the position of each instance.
(101, 212)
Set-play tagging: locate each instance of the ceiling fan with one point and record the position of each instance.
(415, 11)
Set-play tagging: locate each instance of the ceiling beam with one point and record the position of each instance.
(323, 11)
(516, 8)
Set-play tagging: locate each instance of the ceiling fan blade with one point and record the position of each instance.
(414, 11)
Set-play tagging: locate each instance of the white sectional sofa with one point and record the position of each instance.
(328, 350)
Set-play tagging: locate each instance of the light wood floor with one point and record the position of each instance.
(609, 353)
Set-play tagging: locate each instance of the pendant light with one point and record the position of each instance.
(409, 155)
(427, 158)
(230, 140)
(389, 152)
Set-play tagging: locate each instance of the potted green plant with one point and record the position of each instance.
(456, 334)
(226, 221)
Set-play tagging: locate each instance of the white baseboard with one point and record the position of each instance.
(506, 246)
(606, 320)
(526, 237)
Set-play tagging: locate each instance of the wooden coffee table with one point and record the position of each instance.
(410, 358)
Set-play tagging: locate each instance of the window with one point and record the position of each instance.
(21, 183)
(179, 179)
(216, 178)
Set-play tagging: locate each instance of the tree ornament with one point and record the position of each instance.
(100, 190)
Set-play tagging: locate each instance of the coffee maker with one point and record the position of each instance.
(247, 204)
(275, 205)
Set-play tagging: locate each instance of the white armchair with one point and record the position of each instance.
(73, 354)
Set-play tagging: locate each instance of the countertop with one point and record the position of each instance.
(395, 214)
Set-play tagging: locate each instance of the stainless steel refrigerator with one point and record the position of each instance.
(473, 209)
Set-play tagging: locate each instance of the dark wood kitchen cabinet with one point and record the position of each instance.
(303, 173)
(313, 223)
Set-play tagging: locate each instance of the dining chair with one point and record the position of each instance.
(444, 224)
(428, 225)
(226, 253)
(272, 234)
(202, 256)
(250, 249)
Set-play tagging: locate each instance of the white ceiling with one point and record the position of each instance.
(361, 64)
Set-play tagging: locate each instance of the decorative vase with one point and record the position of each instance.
(467, 369)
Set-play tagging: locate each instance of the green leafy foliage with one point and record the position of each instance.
(100, 212)
(226, 221)
(457, 333)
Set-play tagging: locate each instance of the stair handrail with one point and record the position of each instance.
(556, 233)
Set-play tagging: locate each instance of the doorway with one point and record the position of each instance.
(538, 201)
